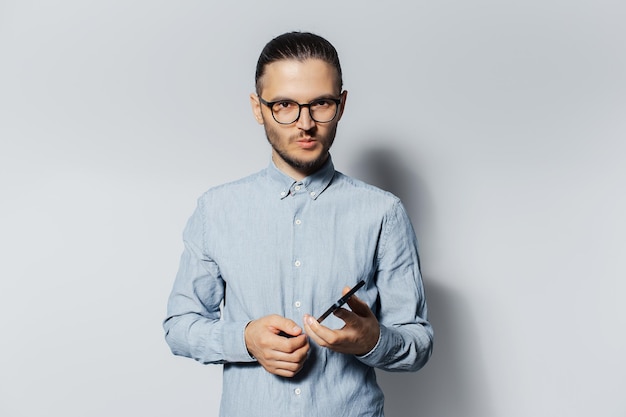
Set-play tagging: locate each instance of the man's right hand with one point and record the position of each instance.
(279, 355)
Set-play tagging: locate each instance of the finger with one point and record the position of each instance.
(290, 354)
(286, 369)
(358, 306)
(322, 335)
(347, 316)
(355, 303)
(277, 361)
(290, 344)
(288, 326)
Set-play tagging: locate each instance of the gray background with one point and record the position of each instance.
(500, 124)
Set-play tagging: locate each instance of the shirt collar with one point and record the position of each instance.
(313, 185)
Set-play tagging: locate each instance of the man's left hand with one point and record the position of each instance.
(357, 337)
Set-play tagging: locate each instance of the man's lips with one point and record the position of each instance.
(306, 143)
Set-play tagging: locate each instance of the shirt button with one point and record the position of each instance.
(312, 193)
(297, 304)
(297, 391)
(297, 187)
(297, 263)
(298, 222)
(282, 193)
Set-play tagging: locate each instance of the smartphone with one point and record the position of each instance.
(341, 301)
(335, 306)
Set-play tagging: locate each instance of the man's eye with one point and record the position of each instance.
(284, 105)
(322, 103)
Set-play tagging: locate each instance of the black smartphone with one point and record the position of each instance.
(341, 301)
(335, 306)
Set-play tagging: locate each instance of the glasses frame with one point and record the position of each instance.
(270, 105)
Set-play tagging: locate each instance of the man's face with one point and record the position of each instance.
(299, 148)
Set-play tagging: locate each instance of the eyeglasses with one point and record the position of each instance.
(286, 112)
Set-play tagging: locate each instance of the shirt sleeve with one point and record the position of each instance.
(193, 325)
(406, 336)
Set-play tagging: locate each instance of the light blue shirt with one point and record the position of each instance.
(267, 244)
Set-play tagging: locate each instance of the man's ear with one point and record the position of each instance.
(342, 106)
(256, 108)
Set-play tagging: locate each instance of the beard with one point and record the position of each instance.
(305, 165)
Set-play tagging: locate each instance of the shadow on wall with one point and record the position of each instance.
(452, 384)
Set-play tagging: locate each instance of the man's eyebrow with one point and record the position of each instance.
(280, 98)
(334, 96)
(284, 98)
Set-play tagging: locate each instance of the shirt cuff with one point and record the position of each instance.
(371, 352)
(234, 342)
(381, 351)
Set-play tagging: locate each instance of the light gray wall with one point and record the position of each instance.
(500, 124)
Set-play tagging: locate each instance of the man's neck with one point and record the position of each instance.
(296, 173)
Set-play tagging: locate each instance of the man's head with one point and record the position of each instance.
(298, 46)
(299, 100)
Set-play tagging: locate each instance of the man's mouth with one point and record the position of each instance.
(306, 143)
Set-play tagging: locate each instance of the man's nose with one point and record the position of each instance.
(305, 122)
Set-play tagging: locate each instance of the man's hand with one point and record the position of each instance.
(279, 355)
(358, 336)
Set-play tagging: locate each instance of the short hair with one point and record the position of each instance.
(299, 46)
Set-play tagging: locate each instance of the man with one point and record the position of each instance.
(265, 254)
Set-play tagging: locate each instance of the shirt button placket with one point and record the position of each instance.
(297, 222)
(297, 189)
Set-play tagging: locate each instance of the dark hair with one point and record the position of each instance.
(299, 46)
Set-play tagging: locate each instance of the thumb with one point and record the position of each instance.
(282, 324)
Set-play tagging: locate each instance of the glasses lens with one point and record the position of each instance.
(286, 111)
(323, 110)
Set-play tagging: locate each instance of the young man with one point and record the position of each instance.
(266, 254)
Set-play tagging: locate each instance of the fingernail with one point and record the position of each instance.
(309, 320)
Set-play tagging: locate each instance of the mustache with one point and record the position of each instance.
(306, 133)
(303, 135)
